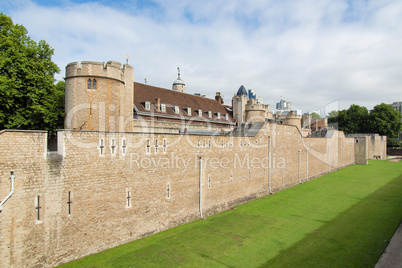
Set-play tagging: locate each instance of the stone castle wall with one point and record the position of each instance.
(102, 189)
(375, 145)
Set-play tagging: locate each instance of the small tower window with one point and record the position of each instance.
(94, 84)
(156, 146)
(164, 145)
(89, 84)
(148, 147)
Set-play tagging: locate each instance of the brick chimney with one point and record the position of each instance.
(158, 103)
(218, 97)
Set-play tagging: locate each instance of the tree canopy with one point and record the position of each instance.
(383, 119)
(316, 115)
(29, 99)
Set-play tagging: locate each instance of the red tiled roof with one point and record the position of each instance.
(145, 93)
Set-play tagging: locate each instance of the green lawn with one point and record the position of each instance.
(343, 219)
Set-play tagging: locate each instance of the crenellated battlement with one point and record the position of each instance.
(252, 105)
(110, 69)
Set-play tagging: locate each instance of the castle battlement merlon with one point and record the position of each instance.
(110, 69)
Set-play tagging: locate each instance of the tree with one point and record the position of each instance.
(28, 96)
(333, 114)
(384, 120)
(353, 120)
(333, 117)
(315, 116)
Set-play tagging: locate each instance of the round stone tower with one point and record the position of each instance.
(256, 112)
(292, 119)
(99, 96)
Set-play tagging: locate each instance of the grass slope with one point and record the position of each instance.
(343, 219)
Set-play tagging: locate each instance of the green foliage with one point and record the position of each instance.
(384, 120)
(333, 114)
(28, 96)
(333, 117)
(343, 219)
(353, 120)
(393, 142)
(315, 115)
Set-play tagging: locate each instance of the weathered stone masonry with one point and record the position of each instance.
(102, 189)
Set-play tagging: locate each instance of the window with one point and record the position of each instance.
(209, 144)
(101, 147)
(156, 146)
(200, 113)
(226, 117)
(176, 109)
(163, 108)
(147, 105)
(209, 114)
(164, 145)
(69, 202)
(209, 180)
(218, 115)
(188, 110)
(128, 198)
(148, 147)
(38, 209)
(91, 84)
(168, 191)
(124, 146)
(113, 147)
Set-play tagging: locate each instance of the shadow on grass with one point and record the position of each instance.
(355, 238)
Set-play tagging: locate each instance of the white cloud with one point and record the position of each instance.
(309, 52)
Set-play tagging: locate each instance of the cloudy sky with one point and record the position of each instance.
(312, 53)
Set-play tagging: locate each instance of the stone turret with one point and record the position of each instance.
(99, 96)
(292, 119)
(256, 112)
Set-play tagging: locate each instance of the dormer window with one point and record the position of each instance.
(226, 116)
(188, 111)
(218, 115)
(200, 113)
(163, 108)
(209, 114)
(147, 105)
(176, 109)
